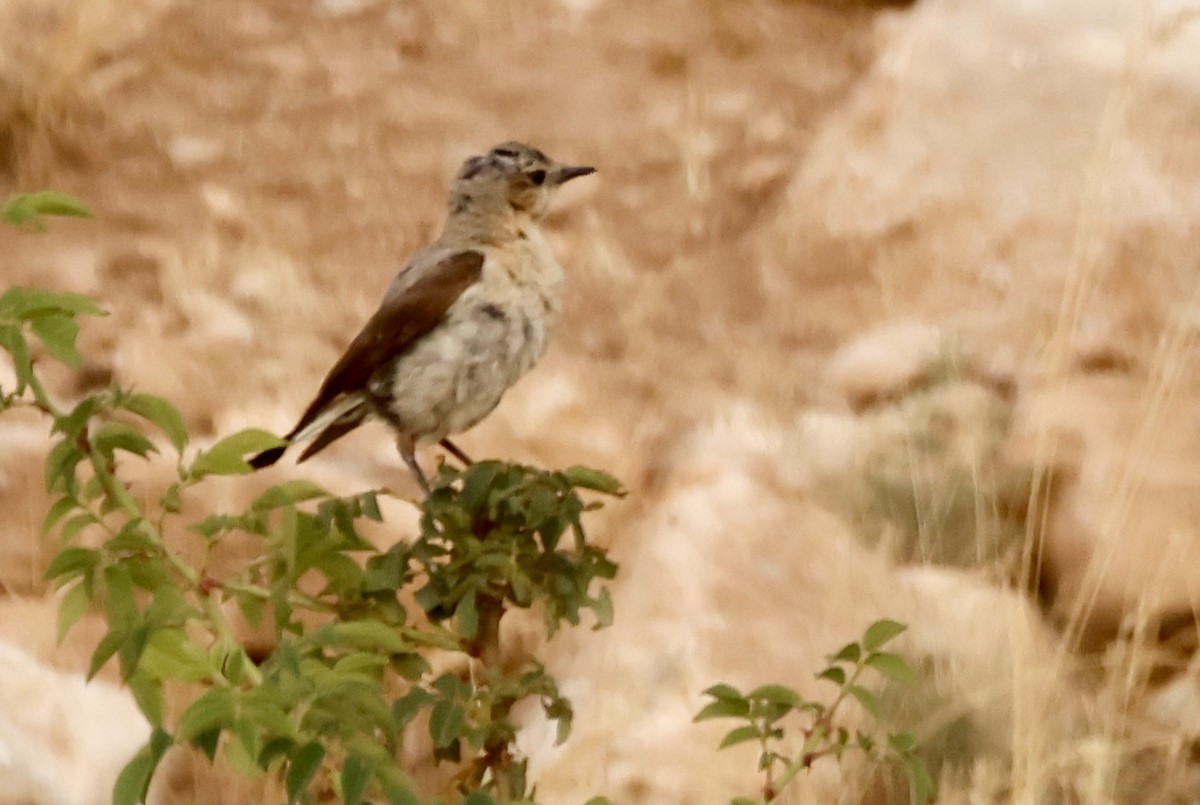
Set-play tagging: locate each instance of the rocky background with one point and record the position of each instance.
(878, 310)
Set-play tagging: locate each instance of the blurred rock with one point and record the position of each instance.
(188, 152)
(63, 741)
(1177, 704)
(1018, 178)
(1001, 156)
(990, 663)
(341, 8)
(885, 362)
(924, 474)
(1122, 533)
(734, 573)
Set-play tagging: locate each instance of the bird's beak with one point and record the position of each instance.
(568, 172)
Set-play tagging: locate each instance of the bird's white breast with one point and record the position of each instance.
(492, 335)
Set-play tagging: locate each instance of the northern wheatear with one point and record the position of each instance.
(462, 321)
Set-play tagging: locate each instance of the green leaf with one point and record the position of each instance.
(135, 537)
(724, 691)
(27, 209)
(406, 707)
(560, 711)
(881, 632)
(60, 466)
(148, 694)
(207, 742)
(430, 599)
(588, 478)
(921, 785)
(833, 674)
(602, 606)
(130, 651)
(77, 523)
(252, 606)
(71, 608)
(902, 742)
(226, 457)
(119, 605)
(22, 303)
(114, 436)
(303, 764)
(172, 499)
(267, 718)
(775, 694)
(170, 655)
(58, 332)
(286, 494)
(813, 707)
(370, 635)
(244, 745)
(724, 708)
(849, 653)
(446, 723)
(212, 711)
(478, 798)
(739, 735)
(72, 561)
(866, 698)
(161, 414)
(398, 793)
(13, 341)
(57, 512)
(478, 480)
(360, 662)
(411, 666)
(273, 750)
(356, 774)
(134, 780)
(892, 666)
(75, 423)
(370, 507)
(107, 647)
(467, 616)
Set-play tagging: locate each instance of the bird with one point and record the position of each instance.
(463, 320)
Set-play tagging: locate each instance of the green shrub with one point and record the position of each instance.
(763, 711)
(327, 710)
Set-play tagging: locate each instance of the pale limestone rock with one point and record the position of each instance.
(63, 740)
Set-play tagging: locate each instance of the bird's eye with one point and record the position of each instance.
(538, 176)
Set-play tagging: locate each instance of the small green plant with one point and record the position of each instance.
(29, 210)
(764, 710)
(351, 624)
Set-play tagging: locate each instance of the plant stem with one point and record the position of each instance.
(486, 648)
(486, 645)
(820, 731)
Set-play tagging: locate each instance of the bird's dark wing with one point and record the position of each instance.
(395, 327)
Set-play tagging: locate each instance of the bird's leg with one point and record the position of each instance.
(408, 452)
(454, 450)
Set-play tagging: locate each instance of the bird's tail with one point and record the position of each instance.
(336, 429)
(267, 457)
(327, 427)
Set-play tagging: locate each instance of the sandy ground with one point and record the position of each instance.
(852, 285)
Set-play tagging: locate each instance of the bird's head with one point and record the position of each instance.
(515, 174)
